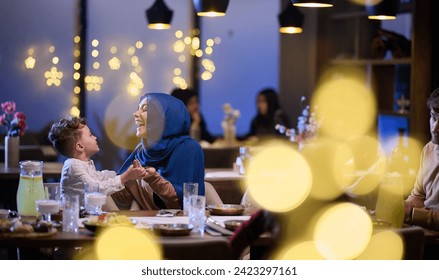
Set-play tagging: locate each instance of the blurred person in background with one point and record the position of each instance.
(269, 114)
(198, 129)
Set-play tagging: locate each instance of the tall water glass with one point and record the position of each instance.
(70, 212)
(94, 199)
(189, 189)
(197, 213)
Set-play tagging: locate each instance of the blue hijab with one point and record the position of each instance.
(168, 148)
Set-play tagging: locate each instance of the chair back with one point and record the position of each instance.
(215, 248)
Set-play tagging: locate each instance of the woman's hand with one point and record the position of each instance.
(134, 172)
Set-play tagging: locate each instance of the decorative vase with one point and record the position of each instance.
(229, 134)
(12, 151)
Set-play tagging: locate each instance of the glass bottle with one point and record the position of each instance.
(30, 187)
(399, 158)
(390, 201)
(243, 159)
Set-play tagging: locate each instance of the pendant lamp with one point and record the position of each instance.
(211, 8)
(384, 10)
(313, 3)
(291, 20)
(159, 16)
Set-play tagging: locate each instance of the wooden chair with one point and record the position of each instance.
(414, 241)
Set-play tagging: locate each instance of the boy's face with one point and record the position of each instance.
(88, 142)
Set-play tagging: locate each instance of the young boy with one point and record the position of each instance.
(72, 138)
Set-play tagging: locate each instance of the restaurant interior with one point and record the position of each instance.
(327, 183)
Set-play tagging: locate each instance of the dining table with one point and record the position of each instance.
(19, 246)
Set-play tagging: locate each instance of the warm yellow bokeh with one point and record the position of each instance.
(332, 168)
(405, 159)
(119, 121)
(344, 104)
(342, 232)
(278, 178)
(370, 164)
(384, 245)
(302, 251)
(127, 243)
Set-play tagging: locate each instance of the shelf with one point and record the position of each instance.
(371, 61)
(393, 113)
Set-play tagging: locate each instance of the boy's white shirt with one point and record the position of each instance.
(76, 172)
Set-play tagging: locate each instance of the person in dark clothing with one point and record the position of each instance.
(198, 129)
(268, 116)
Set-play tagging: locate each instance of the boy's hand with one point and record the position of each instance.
(134, 172)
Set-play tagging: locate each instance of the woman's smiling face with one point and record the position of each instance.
(140, 117)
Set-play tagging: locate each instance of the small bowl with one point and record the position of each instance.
(92, 226)
(172, 229)
(226, 209)
(233, 224)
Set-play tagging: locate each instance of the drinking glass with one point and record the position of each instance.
(70, 214)
(197, 213)
(189, 189)
(94, 199)
(51, 204)
(46, 207)
(52, 191)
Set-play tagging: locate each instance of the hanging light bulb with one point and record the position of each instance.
(159, 16)
(313, 3)
(211, 8)
(291, 20)
(384, 10)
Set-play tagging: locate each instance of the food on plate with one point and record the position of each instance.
(42, 226)
(23, 228)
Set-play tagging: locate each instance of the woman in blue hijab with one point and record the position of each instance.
(170, 155)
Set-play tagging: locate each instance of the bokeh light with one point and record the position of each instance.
(119, 121)
(332, 167)
(370, 164)
(114, 63)
(390, 200)
(279, 179)
(139, 45)
(29, 62)
(344, 103)
(384, 245)
(405, 159)
(95, 43)
(303, 251)
(127, 243)
(342, 232)
(178, 34)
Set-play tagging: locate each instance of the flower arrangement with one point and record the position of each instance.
(15, 122)
(230, 115)
(307, 125)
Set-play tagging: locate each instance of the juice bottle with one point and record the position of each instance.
(30, 187)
